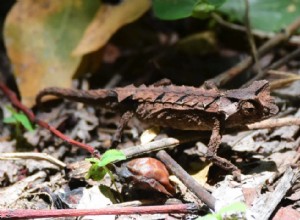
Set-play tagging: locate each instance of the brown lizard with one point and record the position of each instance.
(181, 107)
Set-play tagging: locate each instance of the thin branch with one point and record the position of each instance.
(30, 213)
(294, 40)
(17, 104)
(281, 37)
(276, 65)
(267, 203)
(274, 122)
(32, 155)
(164, 143)
(250, 37)
(189, 181)
(284, 60)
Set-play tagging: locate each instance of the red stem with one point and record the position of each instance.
(30, 213)
(17, 104)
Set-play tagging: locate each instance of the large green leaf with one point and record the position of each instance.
(177, 9)
(266, 15)
(173, 9)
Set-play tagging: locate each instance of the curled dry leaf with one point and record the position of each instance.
(287, 78)
(147, 174)
(149, 134)
(39, 37)
(107, 21)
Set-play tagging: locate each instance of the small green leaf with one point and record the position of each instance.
(22, 118)
(18, 118)
(96, 173)
(111, 156)
(10, 120)
(234, 207)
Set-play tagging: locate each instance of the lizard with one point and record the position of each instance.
(181, 107)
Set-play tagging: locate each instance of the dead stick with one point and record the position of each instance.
(265, 205)
(294, 40)
(161, 144)
(32, 155)
(250, 36)
(275, 65)
(30, 213)
(16, 103)
(171, 142)
(226, 76)
(191, 183)
(274, 122)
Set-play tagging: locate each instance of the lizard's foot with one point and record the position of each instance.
(224, 164)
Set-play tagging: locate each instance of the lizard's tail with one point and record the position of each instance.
(85, 96)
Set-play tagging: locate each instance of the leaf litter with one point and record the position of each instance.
(263, 155)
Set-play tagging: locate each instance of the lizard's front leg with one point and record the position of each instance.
(214, 142)
(123, 122)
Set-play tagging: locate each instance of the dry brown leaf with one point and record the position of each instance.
(107, 21)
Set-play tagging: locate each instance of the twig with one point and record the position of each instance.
(30, 213)
(160, 144)
(266, 204)
(275, 65)
(250, 37)
(284, 60)
(294, 40)
(274, 122)
(32, 155)
(288, 78)
(164, 143)
(226, 76)
(11, 194)
(191, 183)
(16, 103)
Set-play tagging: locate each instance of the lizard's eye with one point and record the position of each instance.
(248, 108)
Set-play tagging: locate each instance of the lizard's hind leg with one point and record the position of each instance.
(116, 139)
(214, 142)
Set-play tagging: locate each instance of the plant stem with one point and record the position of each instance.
(113, 180)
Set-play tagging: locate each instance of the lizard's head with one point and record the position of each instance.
(253, 103)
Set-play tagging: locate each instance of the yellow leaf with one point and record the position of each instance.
(201, 175)
(107, 21)
(40, 36)
(149, 135)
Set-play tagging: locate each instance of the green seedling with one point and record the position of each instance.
(237, 207)
(100, 166)
(20, 121)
